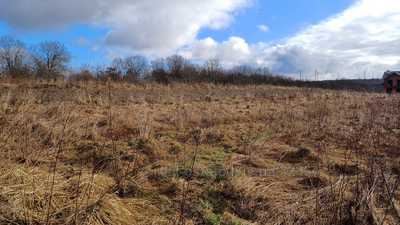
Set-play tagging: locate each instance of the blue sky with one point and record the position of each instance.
(283, 17)
(340, 38)
(281, 20)
(79, 39)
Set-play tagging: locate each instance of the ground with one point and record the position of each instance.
(115, 153)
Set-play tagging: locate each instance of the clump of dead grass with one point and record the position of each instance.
(128, 154)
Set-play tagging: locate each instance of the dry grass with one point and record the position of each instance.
(95, 153)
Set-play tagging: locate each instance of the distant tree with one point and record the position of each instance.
(212, 66)
(191, 72)
(159, 64)
(176, 64)
(263, 71)
(118, 64)
(83, 75)
(50, 59)
(244, 69)
(132, 67)
(13, 57)
(213, 70)
(159, 71)
(136, 66)
(112, 73)
(160, 76)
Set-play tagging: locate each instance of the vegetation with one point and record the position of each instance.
(85, 151)
(49, 60)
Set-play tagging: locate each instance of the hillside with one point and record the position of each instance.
(115, 153)
(368, 85)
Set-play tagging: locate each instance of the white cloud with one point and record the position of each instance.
(148, 26)
(231, 52)
(363, 38)
(201, 50)
(263, 28)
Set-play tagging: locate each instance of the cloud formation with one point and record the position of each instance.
(365, 38)
(232, 52)
(149, 26)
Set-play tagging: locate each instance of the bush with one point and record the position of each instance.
(160, 76)
(84, 75)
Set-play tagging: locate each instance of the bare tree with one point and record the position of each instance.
(133, 67)
(176, 64)
(50, 59)
(245, 69)
(263, 71)
(13, 57)
(158, 64)
(112, 73)
(160, 76)
(191, 72)
(118, 65)
(212, 66)
(159, 71)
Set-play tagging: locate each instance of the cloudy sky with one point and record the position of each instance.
(340, 38)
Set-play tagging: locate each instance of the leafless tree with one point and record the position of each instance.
(212, 66)
(176, 64)
(136, 65)
(13, 57)
(132, 67)
(263, 71)
(50, 59)
(158, 64)
(112, 73)
(248, 70)
(118, 65)
(160, 76)
(191, 72)
(159, 71)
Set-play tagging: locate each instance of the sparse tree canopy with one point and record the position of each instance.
(13, 56)
(245, 69)
(136, 65)
(132, 67)
(160, 76)
(175, 64)
(50, 59)
(212, 66)
(158, 64)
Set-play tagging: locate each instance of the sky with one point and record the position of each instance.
(336, 39)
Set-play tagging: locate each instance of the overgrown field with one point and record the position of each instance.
(110, 153)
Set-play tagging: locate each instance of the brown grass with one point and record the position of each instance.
(96, 153)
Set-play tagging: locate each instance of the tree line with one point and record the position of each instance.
(46, 60)
(50, 60)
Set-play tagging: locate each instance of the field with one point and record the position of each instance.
(115, 154)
